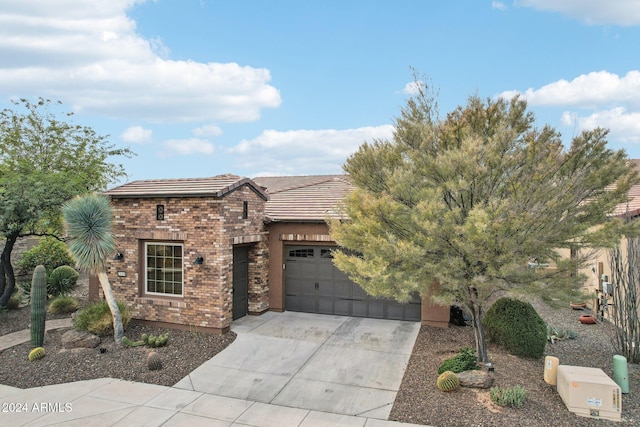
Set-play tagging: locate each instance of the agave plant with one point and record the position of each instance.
(88, 220)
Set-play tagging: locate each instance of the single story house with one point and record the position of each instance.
(199, 253)
(599, 269)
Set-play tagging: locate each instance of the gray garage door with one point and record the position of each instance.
(314, 285)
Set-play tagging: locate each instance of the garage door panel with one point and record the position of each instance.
(413, 311)
(301, 286)
(339, 275)
(395, 310)
(325, 289)
(358, 292)
(302, 303)
(376, 309)
(342, 307)
(313, 284)
(343, 290)
(301, 269)
(325, 305)
(326, 270)
(359, 308)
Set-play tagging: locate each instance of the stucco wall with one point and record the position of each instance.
(295, 233)
(281, 234)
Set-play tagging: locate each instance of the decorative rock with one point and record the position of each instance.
(475, 379)
(79, 339)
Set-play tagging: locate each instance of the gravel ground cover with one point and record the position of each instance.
(185, 351)
(419, 401)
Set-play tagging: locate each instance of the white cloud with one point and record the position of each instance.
(207, 131)
(412, 88)
(498, 5)
(600, 99)
(595, 88)
(136, 134)
(305, 151)
(624, 126)
(185, 147)
(595, 12)
(89, 54)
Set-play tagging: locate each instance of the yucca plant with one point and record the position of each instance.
(88, 220)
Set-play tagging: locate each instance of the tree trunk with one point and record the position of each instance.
(7, 275)
(475, 306)
(118, 330)
(481, 346)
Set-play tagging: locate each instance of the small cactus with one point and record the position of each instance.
(156, 341)
(36, 354)
(154, 362)
(163, 340)
(126, 341)
(448, 381)
(38, 305)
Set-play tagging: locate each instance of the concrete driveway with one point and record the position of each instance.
(341, 365)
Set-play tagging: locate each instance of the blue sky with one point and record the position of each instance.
(200, 88)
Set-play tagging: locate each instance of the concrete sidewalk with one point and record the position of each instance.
(15, 338)
(283, 369)
(111, 402)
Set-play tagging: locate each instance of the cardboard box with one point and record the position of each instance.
(589, 392)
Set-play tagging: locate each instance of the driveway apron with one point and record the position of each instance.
(336, 364)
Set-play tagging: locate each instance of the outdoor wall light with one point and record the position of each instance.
(199, 260)
(119, 256)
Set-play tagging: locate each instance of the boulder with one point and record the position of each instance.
(79, 339)
(475, 379)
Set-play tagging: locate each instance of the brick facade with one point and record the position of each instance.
(207, 227)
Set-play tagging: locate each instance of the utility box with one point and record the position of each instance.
(589, 392)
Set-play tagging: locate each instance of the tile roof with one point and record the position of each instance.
(216, 186)
(304, 198)
(632, 206)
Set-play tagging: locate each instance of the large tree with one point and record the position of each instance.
(462, 207)
(45, 161)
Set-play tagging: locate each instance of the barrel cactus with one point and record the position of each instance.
(36, 354)
(38, 305)
(154, 362)
(448, 381)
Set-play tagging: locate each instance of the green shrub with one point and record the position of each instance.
(465, 360)
(96, 318)
(508, 396)
(63, 304)
(516, 326)
(62, 281)
(25, 288)
(50, 252)
(15, 299)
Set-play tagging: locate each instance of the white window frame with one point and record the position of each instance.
(146, 269)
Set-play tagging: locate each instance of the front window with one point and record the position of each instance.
(164, 268)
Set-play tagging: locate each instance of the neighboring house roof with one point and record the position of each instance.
(304, 198)
(632, 206)
(216, 186)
